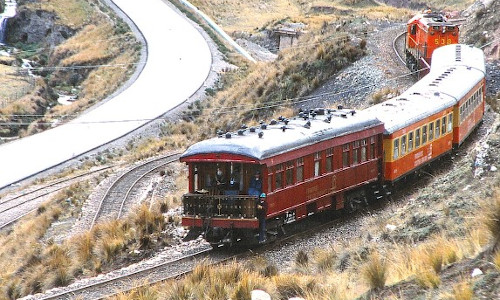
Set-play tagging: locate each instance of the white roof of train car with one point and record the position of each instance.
(275, 141)
(455, 70)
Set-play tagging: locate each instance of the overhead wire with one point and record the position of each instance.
(228, 109)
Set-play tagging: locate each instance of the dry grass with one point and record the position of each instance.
(375, 271)
(492, 221)
(463, 291)
(72, 13)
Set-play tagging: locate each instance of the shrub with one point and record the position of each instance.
(375, 271)
(302, 259)
(325, 259)
(463, 291)
(492, 222)
(243, 290)
(428, 279)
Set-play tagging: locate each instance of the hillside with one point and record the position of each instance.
(429, 238)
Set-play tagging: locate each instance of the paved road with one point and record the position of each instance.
(178, 62)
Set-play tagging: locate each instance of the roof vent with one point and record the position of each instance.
(343, 115)
(320, 111)
(308, 124)
(220, 133)
(252, 129)
(285, 120)
(244, 126)
(283, 128)
(263, 126)
(353, 112)
(436, 94)
(328, 119)
(241, 131)
(273, 122)
(261, 134)
(340, 107)
(228, 135)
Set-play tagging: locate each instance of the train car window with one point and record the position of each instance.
(410, 141)
(424, 134)
(300, 169)
(329, 160)
(372, 147)
(450, 122)
(270, 180)
(278, 177)
(345, 156)
(395, 150)
(431, 131)
(417, 138)
(403, 145)
(363, 150)
(289, 173)
(438, 126)
(317, 164)
(355, 152)
(443, 124)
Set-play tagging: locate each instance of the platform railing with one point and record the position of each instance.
(223, 206)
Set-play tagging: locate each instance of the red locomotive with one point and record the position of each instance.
(330, 158)
(426, 32)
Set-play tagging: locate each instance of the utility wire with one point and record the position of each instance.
(223, 110)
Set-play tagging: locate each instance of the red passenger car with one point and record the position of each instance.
(425, 33)
(322, 159)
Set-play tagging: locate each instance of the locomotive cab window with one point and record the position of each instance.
(413, 29)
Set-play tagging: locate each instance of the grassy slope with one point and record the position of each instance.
(116, 45)
(326, 280)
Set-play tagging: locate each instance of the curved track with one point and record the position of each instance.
(126, 187)
(15, 207)
(398, 45)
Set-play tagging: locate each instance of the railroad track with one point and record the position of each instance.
(122, 192)
(14, 208)
(398, 45)
(171, 268)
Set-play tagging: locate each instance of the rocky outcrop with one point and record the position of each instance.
(37, 27)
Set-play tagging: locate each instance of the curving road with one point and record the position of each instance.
(178, 62)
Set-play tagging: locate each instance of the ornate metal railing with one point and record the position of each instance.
(223, 206)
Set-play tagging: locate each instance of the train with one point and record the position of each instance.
(425, 32)
(329, 158)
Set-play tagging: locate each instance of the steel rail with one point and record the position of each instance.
(120, 179)
(395, 47)
(134, 184)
